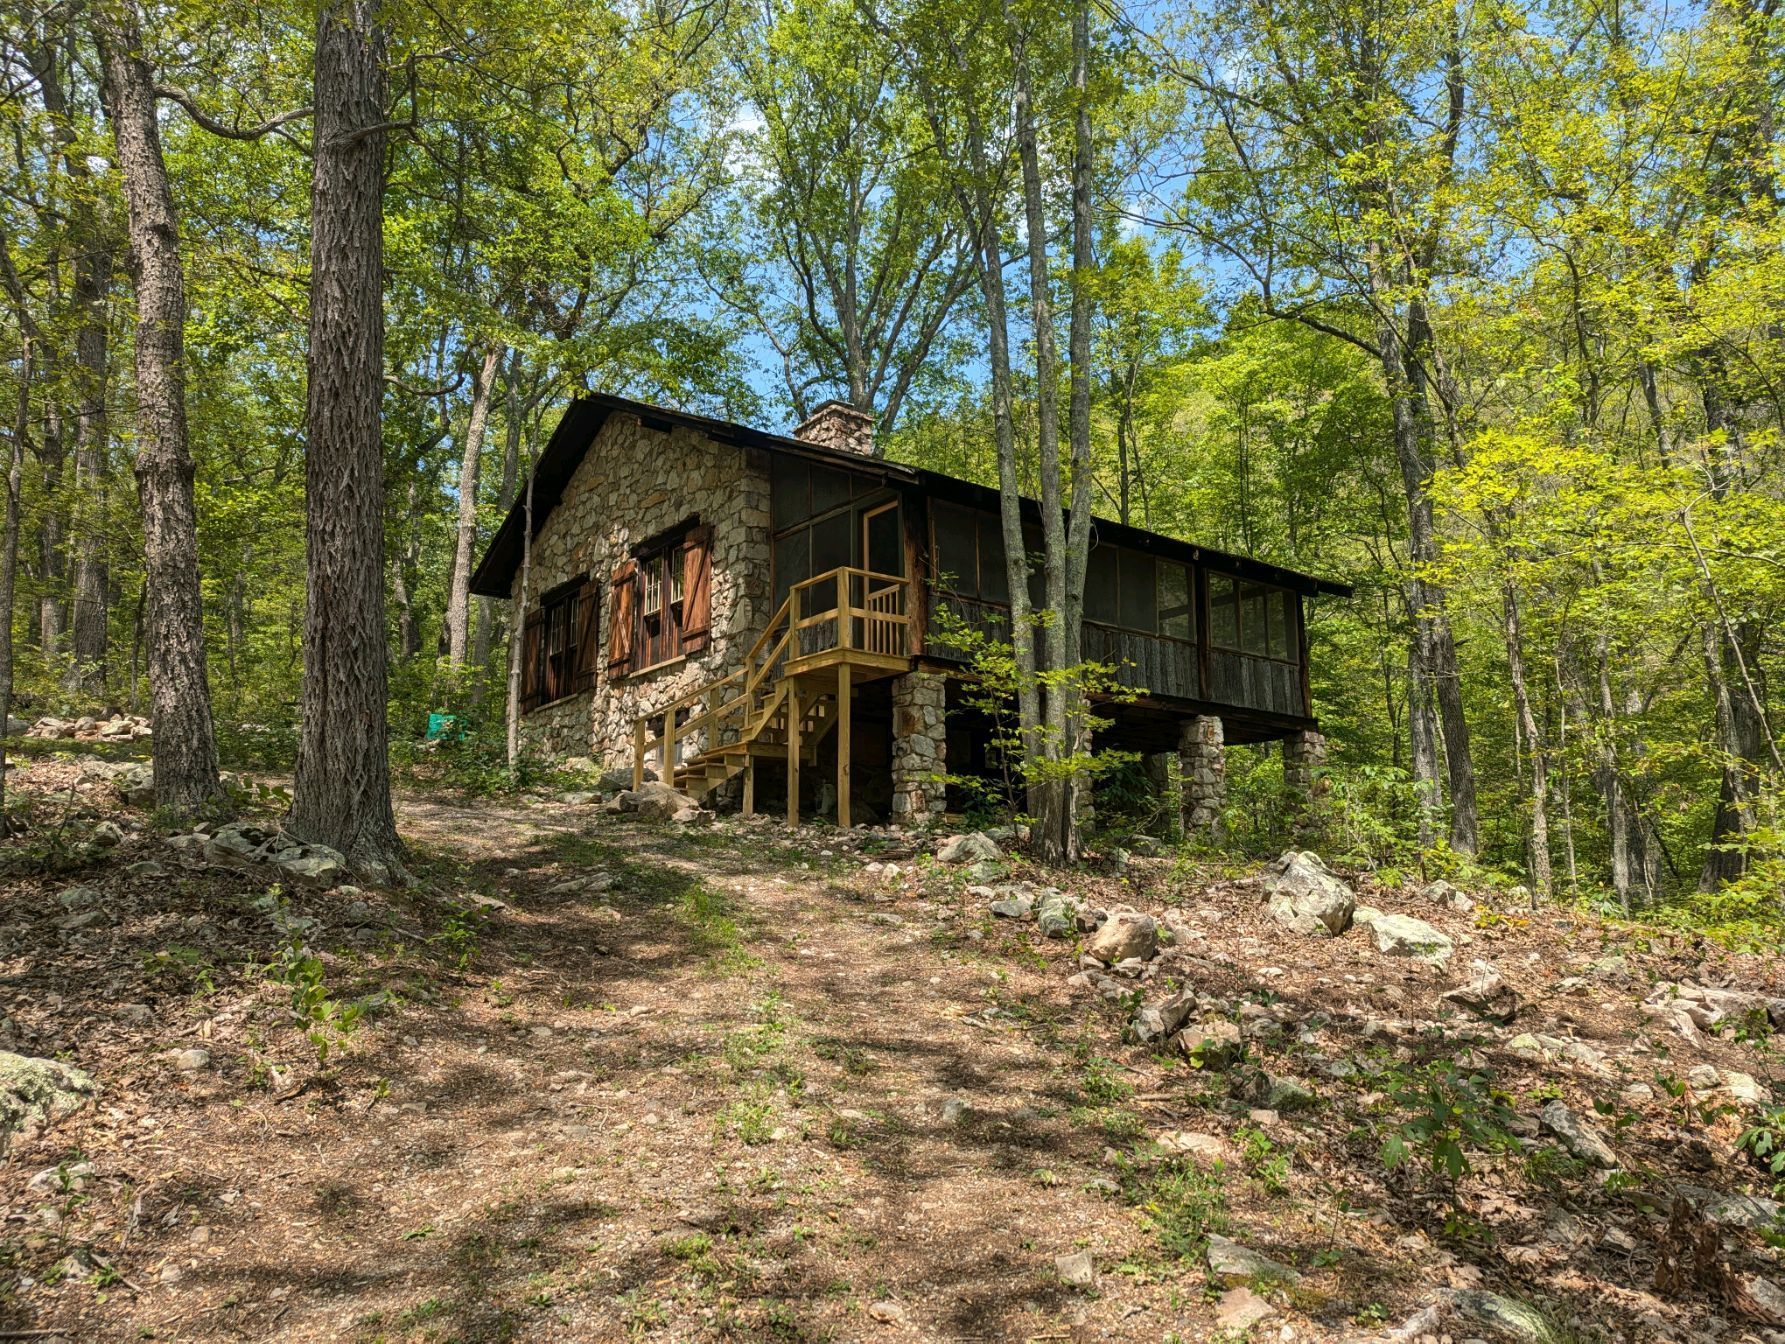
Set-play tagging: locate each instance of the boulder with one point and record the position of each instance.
(1444, 894)
(1239, 1309)
(240, 843)
(35, 1093)
(311, 865)
(135, 784)
(107, 835)
(1577, 1136)
(1057, 913)
(653, 802)
(1205, 1148)
(1076, 1270)
(1486, 994)
(1307, 897)
(1012, 907)
(1233, 1263)
(1405, 936)
(1733, 1210)
(1505, 1316)
(1156, 1021)
(973, 847)
(1213, 1044)
(1744, 1089)
(1125, 934)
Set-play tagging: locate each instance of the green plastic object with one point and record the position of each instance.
(442, 726)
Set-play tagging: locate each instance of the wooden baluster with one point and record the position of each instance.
(845, 718)
(794, 709)
(638, 753)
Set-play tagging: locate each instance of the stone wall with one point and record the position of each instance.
(920, 745)
(1202, 756)
(632, 484)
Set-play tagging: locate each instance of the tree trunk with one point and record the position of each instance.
(458, 600)
(1541, 882)
(9, 562)
(1742, 736)
(184, 745)
(488, 610)
(342, 792)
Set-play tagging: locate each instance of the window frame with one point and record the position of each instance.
(1241, 589)
(659, 632)
(553, 673)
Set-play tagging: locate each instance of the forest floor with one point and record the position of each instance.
(611, 1080)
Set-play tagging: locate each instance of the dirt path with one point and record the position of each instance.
(715, 1090)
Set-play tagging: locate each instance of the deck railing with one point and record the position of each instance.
(844, 608)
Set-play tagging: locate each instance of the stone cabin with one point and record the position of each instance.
(766, 619)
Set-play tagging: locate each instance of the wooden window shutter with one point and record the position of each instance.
(531, 632)
(620, 633)
(697, 589)
(588, 647)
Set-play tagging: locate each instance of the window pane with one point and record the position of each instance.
(792, 562)
(830, 544)
(1139, 595)
(1100, 586)
(994, 579)
(1224, 627)
(789, 500)
(1281, 624)
(830, 490)
(1174, 600)
(1035, 554)
(956, 559)
(1254, 636)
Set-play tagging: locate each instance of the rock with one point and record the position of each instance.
(1057, 914)
(192, 1060)
(1239, 1309)
(1125, 934)
(16, 727)
(1214, 1044)
(687, 816)
(79, 898)
(1405, 936)
(107, 835)
(1767, 1296)
(1744, 1090)
(1486, 994)
(1444, 894)
(311, 865)
(1076, 1270)
(1156, 1021)
(887, 1313)
(35, 1093)
(1508, 1316)
(1308, 898)
(1013, 907)
(135, 785)
(1733, 1210)
(973, 847)
(579, 799)
(239, 843)
(1233, 1263)
(653, 802)
(955, 1110)
(1206, 1148)
(1577, 1136)
(1286, 1094)
(145, 868)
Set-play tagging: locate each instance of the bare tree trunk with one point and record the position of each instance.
(52, 560)
(1541, 881)
(342, 792)
(184, 744)
(488, 610)
(519, 623)
(458, 599)
(9, 562)
(407, 559)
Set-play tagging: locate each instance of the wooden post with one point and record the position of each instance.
(845, 621)
(749, 783)
(669, 746)
(638, 754)
(794, 709)
(845, 714)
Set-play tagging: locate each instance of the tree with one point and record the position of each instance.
(342, 789)
(185, 746)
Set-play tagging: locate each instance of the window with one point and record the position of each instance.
(1139, 592)
(968, 551)
(1252, 618)
(662, 601)
(558, 643)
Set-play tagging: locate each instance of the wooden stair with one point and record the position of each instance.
(795, 688)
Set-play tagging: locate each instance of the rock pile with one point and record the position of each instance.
(243, 844)
(89, 728)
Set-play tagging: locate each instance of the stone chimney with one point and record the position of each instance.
(838, 425)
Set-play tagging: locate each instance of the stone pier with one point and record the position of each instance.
(1202, 763)
(1304, 756)
(920, 747)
